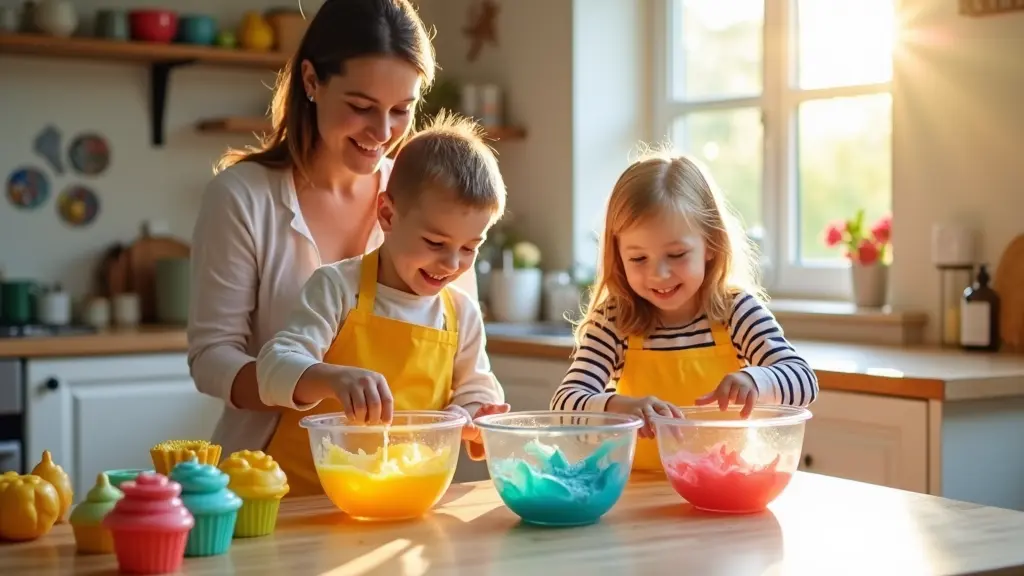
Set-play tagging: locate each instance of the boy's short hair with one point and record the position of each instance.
(449, 155)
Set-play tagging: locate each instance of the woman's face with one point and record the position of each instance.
(363, 113)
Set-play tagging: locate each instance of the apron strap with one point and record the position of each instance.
(634, 342)
(721, 335)
(451, 320)
(368, 281)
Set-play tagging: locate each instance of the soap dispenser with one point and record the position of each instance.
(979, 315)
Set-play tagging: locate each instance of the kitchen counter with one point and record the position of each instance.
(922, 372)
(145, 339)
(820, 525)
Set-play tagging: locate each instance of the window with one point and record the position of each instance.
(788, 103)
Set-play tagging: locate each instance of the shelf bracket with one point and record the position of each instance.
(159, 75)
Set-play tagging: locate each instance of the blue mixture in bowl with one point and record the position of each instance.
(554, 492)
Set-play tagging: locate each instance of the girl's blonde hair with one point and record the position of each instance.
(657, 183)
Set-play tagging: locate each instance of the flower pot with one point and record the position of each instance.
(515, 296)
(870, 284)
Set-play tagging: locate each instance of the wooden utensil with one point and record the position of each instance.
(1008, 282)
(142, 258)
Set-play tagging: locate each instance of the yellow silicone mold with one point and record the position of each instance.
(167, 455)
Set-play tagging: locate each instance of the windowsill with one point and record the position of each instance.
(845, 322)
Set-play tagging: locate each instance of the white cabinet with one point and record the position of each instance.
(528, 384)
(106, 412)
(875, 439)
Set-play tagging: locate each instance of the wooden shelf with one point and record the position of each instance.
(161, 59)
(249, 125)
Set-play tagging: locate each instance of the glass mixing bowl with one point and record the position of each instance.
(559, 468)
(386, 472)
(720, 462)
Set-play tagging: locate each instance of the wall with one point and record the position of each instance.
(957, 148)
(142, 182)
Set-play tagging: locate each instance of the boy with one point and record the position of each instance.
(386, 331)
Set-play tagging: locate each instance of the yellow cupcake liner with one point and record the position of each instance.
(257, 517)
(167, 455)
(93, 540)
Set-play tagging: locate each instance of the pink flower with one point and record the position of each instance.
(882, 230)
(867, 252)
(834, 233)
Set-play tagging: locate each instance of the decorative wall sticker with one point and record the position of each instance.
(27, 188)
(48, 145)
(482, 28)
(78, 206)
(90, 154)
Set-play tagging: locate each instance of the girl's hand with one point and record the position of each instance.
(470, 432)
(646, 408)
(735, 388)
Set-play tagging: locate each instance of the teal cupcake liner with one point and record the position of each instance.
(211, 535)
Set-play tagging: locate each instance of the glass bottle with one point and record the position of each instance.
(979, 314)
(954, 280)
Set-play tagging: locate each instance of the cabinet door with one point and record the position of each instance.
(875, 439)
(528, 384)
(101, 413)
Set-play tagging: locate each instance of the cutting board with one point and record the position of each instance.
(142, 257)
(1008, 282)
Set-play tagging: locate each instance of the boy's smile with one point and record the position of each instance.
(430, 242)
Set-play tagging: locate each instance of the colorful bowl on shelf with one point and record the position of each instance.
(386, 472)
(719, 461)
(153, 25)
(559, 468)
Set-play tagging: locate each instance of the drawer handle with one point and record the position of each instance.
(808, 461)
(52, 383)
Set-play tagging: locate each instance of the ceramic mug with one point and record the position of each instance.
(18, 301)
(197, 29)
(112, 24)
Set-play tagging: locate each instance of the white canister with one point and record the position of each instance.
(515, 295)
(56, 17)
(469, 101)
(55, 307)
(953, 245)
(127, 309)
(97, 313)
(490, 105)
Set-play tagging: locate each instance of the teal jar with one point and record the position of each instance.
(205, 494)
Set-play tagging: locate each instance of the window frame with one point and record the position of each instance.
(782, 274)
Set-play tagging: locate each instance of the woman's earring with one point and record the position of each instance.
(310, 96)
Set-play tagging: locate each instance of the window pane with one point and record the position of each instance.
(845, 164)
(844, 43)
(728, 142)
(717, 50)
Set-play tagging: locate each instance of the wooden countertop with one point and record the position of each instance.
(145, 339)
(820, 525)
(923, 372)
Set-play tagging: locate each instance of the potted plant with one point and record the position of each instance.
(869, 251)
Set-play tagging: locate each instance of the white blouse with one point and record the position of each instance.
(251, 254)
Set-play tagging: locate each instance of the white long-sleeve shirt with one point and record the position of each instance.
(782, 376)
(251, 254)
(324, 303)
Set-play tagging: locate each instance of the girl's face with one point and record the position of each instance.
(362, 114)
(664, 259)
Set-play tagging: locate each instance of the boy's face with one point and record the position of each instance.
(431, 240)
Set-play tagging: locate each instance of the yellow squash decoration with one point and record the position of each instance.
(48, 470)
(29, 506)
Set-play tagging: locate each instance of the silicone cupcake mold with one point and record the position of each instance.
(150, 525)
(167, 455)
(260, 482)
(214, 507)
(91, 537)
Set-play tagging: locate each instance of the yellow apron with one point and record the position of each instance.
(677, 376)
(417, 362)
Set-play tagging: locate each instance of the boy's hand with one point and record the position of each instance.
(646, 408)
(470, 432)
(365, 395)
(735, 388)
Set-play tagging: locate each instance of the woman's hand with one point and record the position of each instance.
(735, 388)
(646, 408)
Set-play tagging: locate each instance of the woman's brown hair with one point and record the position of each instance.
(340, 30)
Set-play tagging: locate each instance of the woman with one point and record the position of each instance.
(307, 197)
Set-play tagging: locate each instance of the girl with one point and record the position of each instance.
(675, 317)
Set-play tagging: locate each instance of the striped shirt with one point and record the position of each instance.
(782, 376)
